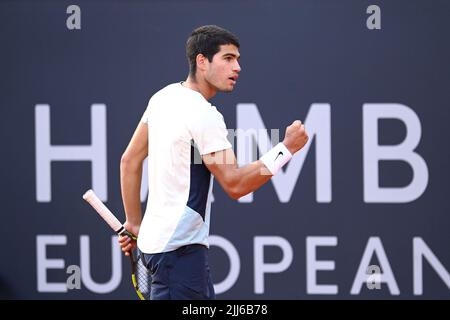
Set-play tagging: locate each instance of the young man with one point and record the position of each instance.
(179, 123)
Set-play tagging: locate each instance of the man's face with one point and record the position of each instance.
(222, 72)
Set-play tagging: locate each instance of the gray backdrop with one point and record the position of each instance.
(308, 237)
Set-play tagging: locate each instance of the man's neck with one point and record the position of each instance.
(200, 86)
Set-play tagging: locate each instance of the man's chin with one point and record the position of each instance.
(227, 89)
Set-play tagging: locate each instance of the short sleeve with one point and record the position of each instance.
(209, 132)
(145, 116)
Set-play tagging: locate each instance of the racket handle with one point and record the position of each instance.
(127, 233)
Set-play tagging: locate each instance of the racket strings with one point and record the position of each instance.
(143, 278)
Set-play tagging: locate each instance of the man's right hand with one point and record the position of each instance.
(126, 243)
(295, 137)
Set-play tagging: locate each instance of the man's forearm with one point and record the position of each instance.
(249, 178)
(130, 183)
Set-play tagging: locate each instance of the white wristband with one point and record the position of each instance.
(276, 158)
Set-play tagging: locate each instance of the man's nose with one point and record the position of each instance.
(237, 67)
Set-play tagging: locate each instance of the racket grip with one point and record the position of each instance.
(127, 233)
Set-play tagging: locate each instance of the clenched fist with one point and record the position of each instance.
(295, 137)
(126, 243)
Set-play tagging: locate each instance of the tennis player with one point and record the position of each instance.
(179, 126)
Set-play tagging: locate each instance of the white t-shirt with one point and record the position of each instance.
(180, 185)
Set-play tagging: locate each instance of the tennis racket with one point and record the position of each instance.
(140, 275)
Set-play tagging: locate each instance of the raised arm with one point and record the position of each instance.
(237, 182)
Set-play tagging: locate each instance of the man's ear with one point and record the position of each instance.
(201, 61)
